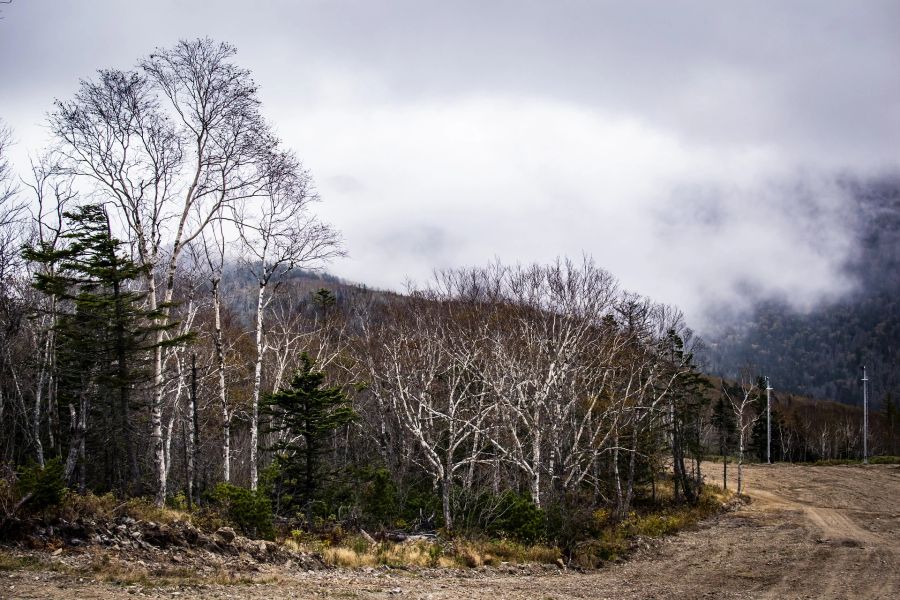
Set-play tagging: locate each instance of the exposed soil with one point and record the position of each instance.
(809, 532)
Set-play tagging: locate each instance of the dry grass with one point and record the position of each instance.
(11, 562)
(109, 507)
(615, 539)
(356, 552)
(476, 553)
(410, 554)
(120, 572)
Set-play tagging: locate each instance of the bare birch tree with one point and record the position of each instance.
(169, 145)
(278, 234)
(742, 398)
(52, 194)
(212, 242)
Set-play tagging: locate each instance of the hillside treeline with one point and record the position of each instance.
(820, 352)
(807, 430)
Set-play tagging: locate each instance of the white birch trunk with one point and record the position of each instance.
(257, 379)
(156, 425)
(220, 367)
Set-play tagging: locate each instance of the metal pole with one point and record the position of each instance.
(768, 422)
(865, 381)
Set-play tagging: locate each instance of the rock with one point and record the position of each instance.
(191, 533)
(226, 533)
(56, 552)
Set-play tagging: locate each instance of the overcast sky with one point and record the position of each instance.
(690, 147)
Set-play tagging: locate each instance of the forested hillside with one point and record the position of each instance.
(165, 334)
(820, 353)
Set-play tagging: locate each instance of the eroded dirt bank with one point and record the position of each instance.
(810, 532)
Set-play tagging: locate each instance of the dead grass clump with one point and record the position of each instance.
(354, 553)
(475, 553)
(144, 509)
(347, 557)
(615, 539)
(88, 506)
(469, 554)
(108, 507)
(357, 552)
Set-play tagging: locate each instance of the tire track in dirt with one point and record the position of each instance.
(856, 553)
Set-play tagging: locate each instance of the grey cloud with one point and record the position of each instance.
(690, 147)
(346, 184)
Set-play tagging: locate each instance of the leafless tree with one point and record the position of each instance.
(52, 193)
(212, 255)
(12, 210)
(742, 398)
(169, 145)
(278, 234)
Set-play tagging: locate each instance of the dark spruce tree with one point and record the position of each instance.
(103, 335)
(687, 400)
(306, 414)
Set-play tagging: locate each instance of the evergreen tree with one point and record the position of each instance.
(687, 410)
(307, 414)
(104, 334)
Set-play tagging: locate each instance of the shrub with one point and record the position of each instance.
(177, 502)
(46, 485)
(507, 515)
(520, 519)
(573, 519)
(249, 511)
(89, 506)
(378, 495)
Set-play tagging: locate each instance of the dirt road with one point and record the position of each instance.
(810, 532)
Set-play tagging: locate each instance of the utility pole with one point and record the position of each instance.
(768, 422)
(865, 381)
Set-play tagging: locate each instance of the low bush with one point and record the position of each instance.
(247, 510)
(44, 486)
(89, 506)
(519, 519)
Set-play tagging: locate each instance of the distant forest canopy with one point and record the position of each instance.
(820, 353)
